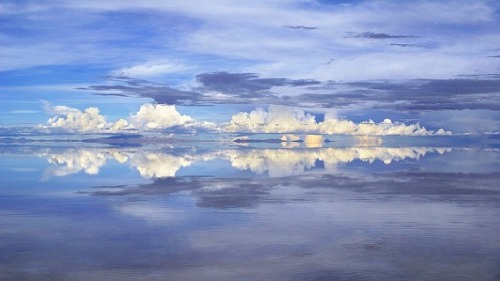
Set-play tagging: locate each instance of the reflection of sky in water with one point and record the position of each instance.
(348, 213)
(271, 162)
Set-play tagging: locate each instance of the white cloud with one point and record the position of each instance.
(75, 120)
(283, 119)
(149, 117)
(152, 69)
(159, 116)
(278, 119)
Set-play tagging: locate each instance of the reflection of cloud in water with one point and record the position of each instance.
(368, 141)
(281, 162)
(273, 162)
(224, 193)
(73, 161)
(149, 164)
(158, 165)
(155, 213)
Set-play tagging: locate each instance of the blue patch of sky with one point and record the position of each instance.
(53, 75)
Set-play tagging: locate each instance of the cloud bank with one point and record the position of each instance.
(277, 119)
(90, 120)
(283, 119)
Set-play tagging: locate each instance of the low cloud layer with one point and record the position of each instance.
(75, 120)
(90, 120)
(277, 119)
(282, 119)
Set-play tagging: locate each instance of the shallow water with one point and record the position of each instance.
(187, 212)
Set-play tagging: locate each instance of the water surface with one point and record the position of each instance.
(249, 211)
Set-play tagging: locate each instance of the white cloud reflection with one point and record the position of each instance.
(271, 162)
(285, 162)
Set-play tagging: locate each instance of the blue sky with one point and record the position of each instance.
(436, 63)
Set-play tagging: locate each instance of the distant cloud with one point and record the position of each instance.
(373, 35)
(152, 69)
(215, 87)
(473, 92)
(303, 27)
(404, 45)
(75, 120)
(22, 111)
(466, 92)
(283, 119)
(247, 82)
(158, 116)
(133, 87)
(149, 117)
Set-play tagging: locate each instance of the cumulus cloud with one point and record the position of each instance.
(277, 119)
(283, 119)
(159, 116)
(149, 117)
(75, 120)
(78, 121)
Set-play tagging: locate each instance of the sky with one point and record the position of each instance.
(326, 67)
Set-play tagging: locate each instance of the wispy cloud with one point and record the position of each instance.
(373, 35)
(151, 69)
(303, 27)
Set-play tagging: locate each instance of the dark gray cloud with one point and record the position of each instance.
(471, 92)
(303, 27)
(404, 45)
(464, 92)
(132, 87)
(238, 88)
(246, 82)
(433, 94)
(373, 35)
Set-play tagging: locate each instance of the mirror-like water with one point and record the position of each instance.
(249, 213)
